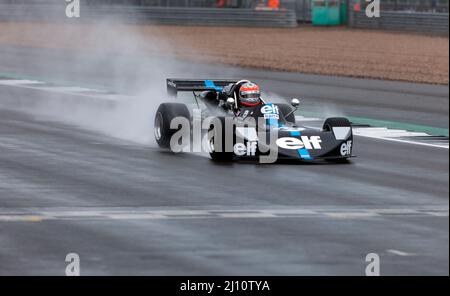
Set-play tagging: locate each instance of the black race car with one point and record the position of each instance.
(267, 131)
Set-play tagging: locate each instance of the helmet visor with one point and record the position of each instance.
(250, 95)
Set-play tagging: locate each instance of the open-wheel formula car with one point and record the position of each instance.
(244, 125)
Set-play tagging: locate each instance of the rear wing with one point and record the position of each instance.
(177, 85)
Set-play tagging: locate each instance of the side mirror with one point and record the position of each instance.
(295, 103)
(230, 102)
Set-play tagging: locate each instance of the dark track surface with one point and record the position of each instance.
(52, 166)
(49, 165)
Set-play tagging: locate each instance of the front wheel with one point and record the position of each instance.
(217, 142)
(335, 122)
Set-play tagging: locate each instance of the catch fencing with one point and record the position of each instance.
(435, 23)
(429, 16)
(153, 15)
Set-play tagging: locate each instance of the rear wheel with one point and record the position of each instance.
(164, 115)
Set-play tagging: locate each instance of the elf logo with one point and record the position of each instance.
(346, 148)
(240, 149)
(270, 109)
(295, 143)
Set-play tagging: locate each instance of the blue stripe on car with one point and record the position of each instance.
(272, 121)
(211, 84)
(303, 153)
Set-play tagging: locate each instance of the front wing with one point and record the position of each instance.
(298, 143)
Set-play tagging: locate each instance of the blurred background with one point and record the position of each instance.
(410, 15)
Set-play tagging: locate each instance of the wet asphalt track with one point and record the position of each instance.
(389, 200)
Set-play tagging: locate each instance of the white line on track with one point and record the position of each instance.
(361, 133)
(387, 134)
(80, 214)
(20, 82)
(74, 91)
(303, 118)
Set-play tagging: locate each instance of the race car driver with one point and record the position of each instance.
(249, 95)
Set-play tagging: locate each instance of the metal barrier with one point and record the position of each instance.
(287, 4)
(153, 15)
(404, 21)
(303, 10)
(37, 10)
(415, 5)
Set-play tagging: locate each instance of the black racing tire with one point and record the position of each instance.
(215, 155)
(164, 115)
(286, 109)
(335, 122)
